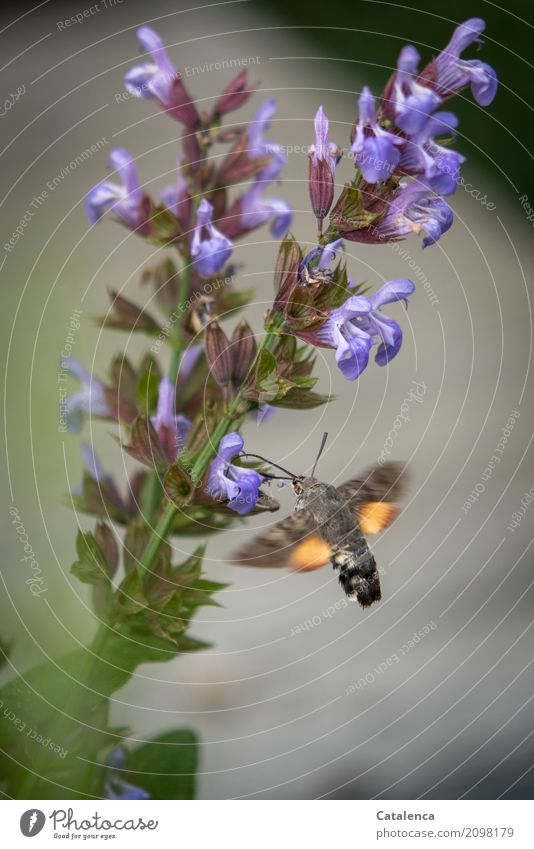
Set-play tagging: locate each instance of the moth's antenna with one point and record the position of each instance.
(323, 442)
(276, 465)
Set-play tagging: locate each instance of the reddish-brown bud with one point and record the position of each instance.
(218, 353)
(107, 542)
(243, 351)
(183, 108)
(286, 272)
(321, 186)
(234, 95)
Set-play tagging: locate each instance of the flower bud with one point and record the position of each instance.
(321, 187)
(323, 160)
(234, 95)
(107, 542)
(286, 272)
(218, 353)
(243, 351)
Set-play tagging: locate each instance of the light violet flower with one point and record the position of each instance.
(89, 401)
(422, 155)
(254, 209)
(448, 73)
(210, 252)
(127, 201)
(318, 260)
(160, 80)
(115, 787)
(259, 147)
(239, 485)
(375, 150)
(353, 328)
(171, 428)
(323, 149)
(93, 466)
(189, 360)
(410, 102)
(415, 209)
(257, 210)
(177, 198)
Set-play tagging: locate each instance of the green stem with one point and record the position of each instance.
(164, 526)
(179, 346)
(151, 496)
(157, 538)
(152, 492)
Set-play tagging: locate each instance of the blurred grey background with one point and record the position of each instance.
(345, 706)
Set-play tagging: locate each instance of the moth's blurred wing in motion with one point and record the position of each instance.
(375, 516)
(292, 543)
(370, 496)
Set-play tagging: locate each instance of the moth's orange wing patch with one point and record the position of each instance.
(374, 516)
(312, 553)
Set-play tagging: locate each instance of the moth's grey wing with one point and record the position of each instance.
(293, 542)
(371, 496)
(379, 483)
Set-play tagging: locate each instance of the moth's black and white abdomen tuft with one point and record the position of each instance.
(359, 578)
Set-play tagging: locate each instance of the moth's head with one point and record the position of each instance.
(303, 485)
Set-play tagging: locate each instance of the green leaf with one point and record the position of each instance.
(349, 212)
(188, 644)
(91, 567)
(289, 256)
(210, 586)
(164, 226)
(130, 597)
(266, 367)
(301, 399)
(147, 388)
(134, 543)
(145, 444)
(166, 766)
(125, 315)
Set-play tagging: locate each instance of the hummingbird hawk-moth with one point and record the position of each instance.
(329, 524)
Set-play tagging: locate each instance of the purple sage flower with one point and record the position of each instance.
(93, 466)
(189, 360)
(160, 79)
(210, 253)
(415, 209)
(254, 210)
(172, 428)
(448, 73)
(422, 155)
(115, 787)
(318, 260)
(126, 201)
(410, 102)
(240, 486)
(258, 146)
(375, 150)
(323, 149)
(353, 328)
(177, 198)
(257, 210)
(89, 401)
